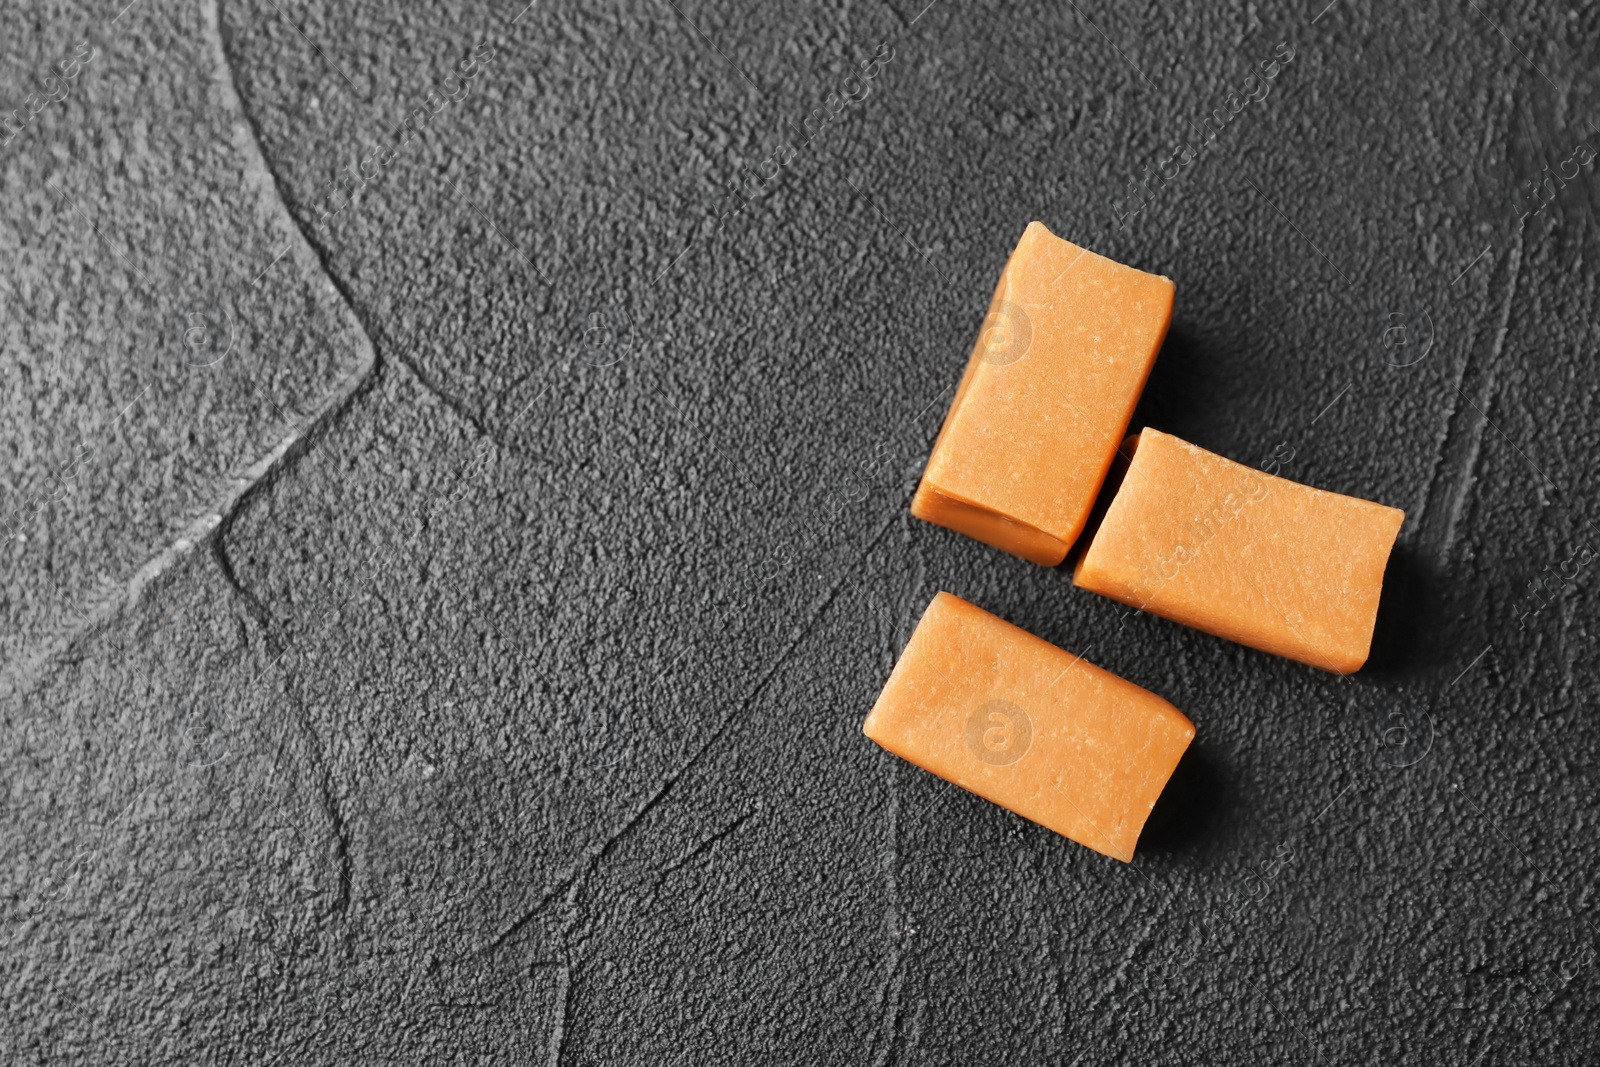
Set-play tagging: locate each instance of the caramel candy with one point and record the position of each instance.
(1016, 720)
(1243, 554)
(1063, 355)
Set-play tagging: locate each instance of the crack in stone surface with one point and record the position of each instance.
(575, 876)
(20, 678)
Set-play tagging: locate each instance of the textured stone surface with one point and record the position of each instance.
(166, 329)
(511, 711)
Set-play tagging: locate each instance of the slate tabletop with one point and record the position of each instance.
(455, 483)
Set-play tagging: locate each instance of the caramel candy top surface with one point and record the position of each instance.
(1058, 367)
(1243, 554)
(1011, 717)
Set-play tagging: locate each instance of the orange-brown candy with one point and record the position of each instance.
(1059, 364)
(1243, 554)
(1014, 719)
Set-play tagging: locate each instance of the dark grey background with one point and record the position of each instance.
(467, 663)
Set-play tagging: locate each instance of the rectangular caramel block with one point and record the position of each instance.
(1016, 720)
(1243, 554)
(1060, 362)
